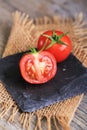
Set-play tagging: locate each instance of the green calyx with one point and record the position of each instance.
(55, 39)
(33, 50)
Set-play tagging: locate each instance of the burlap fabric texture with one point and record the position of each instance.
(24, 34)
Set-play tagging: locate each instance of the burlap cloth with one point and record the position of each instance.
(23, 35)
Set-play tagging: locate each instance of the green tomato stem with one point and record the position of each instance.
(54, 39)
(44, 46)
(33, 50)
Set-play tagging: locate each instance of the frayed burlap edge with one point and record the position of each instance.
(24, 34)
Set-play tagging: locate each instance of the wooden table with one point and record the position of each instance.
(39, 8)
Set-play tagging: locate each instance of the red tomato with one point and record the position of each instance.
(37, 68)
(57, 43)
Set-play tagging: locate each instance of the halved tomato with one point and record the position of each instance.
(39, 67)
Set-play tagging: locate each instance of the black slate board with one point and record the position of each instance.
(70, 80)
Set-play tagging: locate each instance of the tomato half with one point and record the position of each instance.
(37, 68)
(59, 44)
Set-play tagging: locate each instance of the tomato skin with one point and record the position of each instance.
(60, 51)
(38, 68)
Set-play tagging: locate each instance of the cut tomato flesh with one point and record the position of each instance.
(38, 69)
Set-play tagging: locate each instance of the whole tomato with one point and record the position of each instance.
(38, 67)
(57, 43)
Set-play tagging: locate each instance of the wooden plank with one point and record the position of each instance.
(38, 8)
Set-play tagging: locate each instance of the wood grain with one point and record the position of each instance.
(36, 9)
